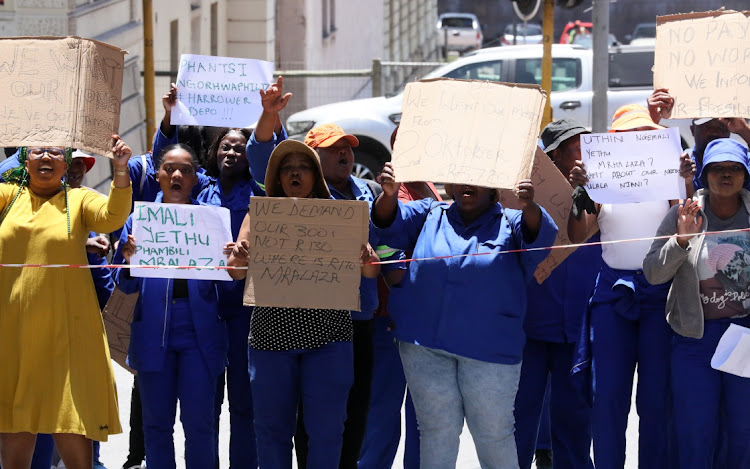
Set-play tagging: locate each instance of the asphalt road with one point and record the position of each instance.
(114, 452)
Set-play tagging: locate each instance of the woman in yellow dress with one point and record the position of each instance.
(56, 376)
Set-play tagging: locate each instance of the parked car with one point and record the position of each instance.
(643, 34)
(587, 40)
(459, 32)
(528, 33)
(373, 120)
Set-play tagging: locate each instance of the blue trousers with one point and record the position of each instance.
(544, 436)
(186, 378)
(242, 449)
(321, 378)
(701, 395)
(629, 328)
(387, 397)
(570, 416)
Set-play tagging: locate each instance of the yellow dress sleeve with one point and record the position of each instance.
(107, 214)
(7, 192)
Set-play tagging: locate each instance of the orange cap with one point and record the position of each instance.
(328, 134)
(632, 116)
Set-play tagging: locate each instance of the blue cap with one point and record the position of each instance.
(721, 150)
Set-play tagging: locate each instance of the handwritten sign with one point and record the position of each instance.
(304, 253)
(117, 316)
(180, 235)
(60, 92)
(220, 91)
(467, 132)
(704, 61)
(627, 167)
(553, 192)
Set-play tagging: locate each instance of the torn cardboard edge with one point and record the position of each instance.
(660, 20)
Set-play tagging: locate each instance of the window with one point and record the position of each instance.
(328, 17)
(457, 22)
(491, 71)
(566, 73)
(215, 28)
(174, 54)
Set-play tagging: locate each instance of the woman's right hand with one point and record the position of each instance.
(577, 176)
(688, 222)
(169, 100)
(128, 249)
(387, 180)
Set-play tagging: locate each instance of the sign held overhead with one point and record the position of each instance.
(468, 132)
(220, 91)
(704, 61)
(60, 92)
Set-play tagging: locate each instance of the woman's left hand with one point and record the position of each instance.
(98, 245)
(228, 248)
(525, 193)
(687, 166)
(273, 99)
(121, 153)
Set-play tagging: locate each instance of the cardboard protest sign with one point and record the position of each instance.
(220, 91)
(625, 167)
(304, 253)
(704, 61)
(468, 132)
(117, 316)
(180, 235)
(553, 192)
(60, 92)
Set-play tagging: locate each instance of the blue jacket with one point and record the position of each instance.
(556, 307)
(259, 153)
(149, 337)
(231, 293)
(103, 281)
(368, 287)
(470, 306)
(10, 162)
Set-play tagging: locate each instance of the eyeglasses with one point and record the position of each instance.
(717, 168)
(54, 153)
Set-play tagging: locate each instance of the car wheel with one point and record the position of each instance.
(366, 166)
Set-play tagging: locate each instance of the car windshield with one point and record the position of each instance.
(528, 30)
(645, 30)
(457, 22)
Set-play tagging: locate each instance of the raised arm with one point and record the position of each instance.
(274, 101)
(107, 214)
(660, 104)
(385, 206)
(579, 228)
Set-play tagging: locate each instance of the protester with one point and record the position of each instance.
(388, 381)
(232, 186)
(552, 325)
(704, 130)
(178, 342)
(57, 369)
(709, 292)
(627, 319)
(337, 160)
(463, 365)
(298, 354)
(228, 165)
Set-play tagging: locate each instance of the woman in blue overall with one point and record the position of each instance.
(627, 325)
(458, 318)
(710, 291)
(298, 354)
(232, 188)
(178, 342)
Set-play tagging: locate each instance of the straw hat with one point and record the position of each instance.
(273, 182)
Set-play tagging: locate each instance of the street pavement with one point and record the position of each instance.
(114, 452)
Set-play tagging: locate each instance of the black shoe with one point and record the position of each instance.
(543, 458)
